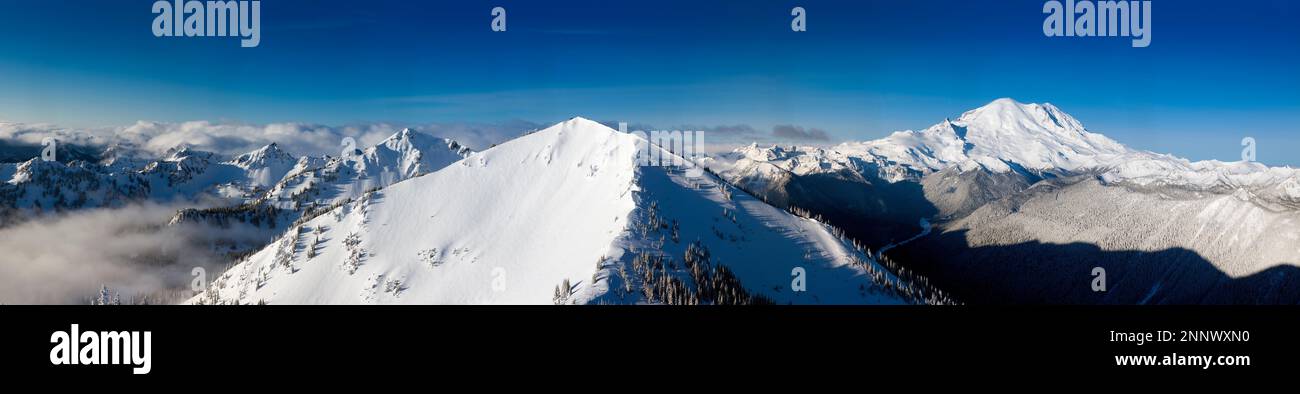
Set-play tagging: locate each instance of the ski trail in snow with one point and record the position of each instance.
(925, 230)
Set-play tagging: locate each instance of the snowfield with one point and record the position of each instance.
(568, 204)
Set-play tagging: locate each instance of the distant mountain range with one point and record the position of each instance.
(1026, 202)
(266, 182)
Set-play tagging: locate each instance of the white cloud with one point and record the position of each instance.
(235, 138)
(228, 138)
(64, 260)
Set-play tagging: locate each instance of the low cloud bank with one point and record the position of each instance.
(65, 259)
(153, 139)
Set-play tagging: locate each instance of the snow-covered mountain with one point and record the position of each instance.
(1005, 136)
(997, 137)
(35, 186)
(188, 174)
(184, 175)
(328, 180)
(995, 182)
(311, 185)
(266, 166)
(563, 215)
(1004, 146)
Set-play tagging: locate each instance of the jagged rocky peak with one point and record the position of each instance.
(184, 151)
(409, 139)
(269, 155)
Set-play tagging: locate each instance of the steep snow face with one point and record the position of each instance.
(507, 225)
(503, 226)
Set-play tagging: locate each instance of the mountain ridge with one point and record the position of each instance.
(184, 174)
(563, 215)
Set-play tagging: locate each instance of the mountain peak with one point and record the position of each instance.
(410, 140)
(405, 140)
(404, 134)
(1036, 136)
(1004, 101)
(575, 124)
(268, 155)
(117, 154)
(179, 149)
(269, 149)
(184, 151)
(1032, 117)
(578, 122)
(1003, 108)
(998, 136)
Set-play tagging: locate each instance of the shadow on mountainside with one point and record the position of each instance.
(1038, 273)
(876, 213)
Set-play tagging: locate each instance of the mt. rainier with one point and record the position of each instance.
(1026, 201)
(1006, 136)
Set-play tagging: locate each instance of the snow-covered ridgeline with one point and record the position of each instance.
(566, 205)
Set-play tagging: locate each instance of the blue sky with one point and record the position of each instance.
(1214, 73)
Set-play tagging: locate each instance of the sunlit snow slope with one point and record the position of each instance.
(510, 224)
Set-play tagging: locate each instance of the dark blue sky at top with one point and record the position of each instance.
(1214, 73)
